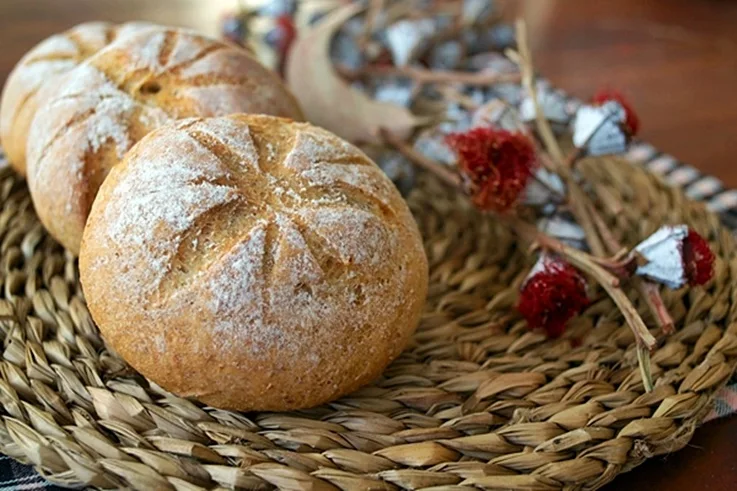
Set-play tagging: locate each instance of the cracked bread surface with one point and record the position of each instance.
(114, 98)
(253, 263)
(37, 74)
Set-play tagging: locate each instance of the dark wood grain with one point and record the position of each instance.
(707, 464)
(676, 59)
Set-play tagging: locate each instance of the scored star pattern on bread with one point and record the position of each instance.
(295, 216)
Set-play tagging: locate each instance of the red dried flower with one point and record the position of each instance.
(631, 122)
(287, 35)
(497, 163)
(698, 260)
(552, 294)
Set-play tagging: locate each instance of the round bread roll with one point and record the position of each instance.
(109, 102)
(253, 263)
(41, 68)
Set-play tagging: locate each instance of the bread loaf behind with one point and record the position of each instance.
(41, 68)
(117, 96)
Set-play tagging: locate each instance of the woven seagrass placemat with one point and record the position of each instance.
(476, 401)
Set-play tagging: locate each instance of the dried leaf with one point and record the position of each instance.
(331, 103)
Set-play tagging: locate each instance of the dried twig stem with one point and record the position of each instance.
(577, 202)
(585, 213)
(588, 265)
(374, 8)
(423, 76)
(651, 293)
(453, 94)
(611, 244)
(608, 200)
(528, 81)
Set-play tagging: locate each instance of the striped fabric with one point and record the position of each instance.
(697, 186)
(19, 477)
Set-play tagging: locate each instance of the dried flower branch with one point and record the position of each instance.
(532, 235)
(584, 212)
(598, 235)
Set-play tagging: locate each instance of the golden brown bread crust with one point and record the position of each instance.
(253, 263)
(109, 102)
(41, 68)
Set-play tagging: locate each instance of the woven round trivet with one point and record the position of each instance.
(476, 401)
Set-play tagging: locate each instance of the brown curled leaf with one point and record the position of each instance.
(330, 102)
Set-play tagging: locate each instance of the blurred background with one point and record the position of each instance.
(675, 59)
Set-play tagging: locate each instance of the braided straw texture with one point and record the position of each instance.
(476, 401)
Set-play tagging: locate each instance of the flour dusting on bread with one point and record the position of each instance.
(160, 199)
(92, 106)
(235, 289)
(315, 146)
(132, 86)
(253, 246)
(38, 74)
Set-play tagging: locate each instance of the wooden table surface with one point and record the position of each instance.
(675, 59)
